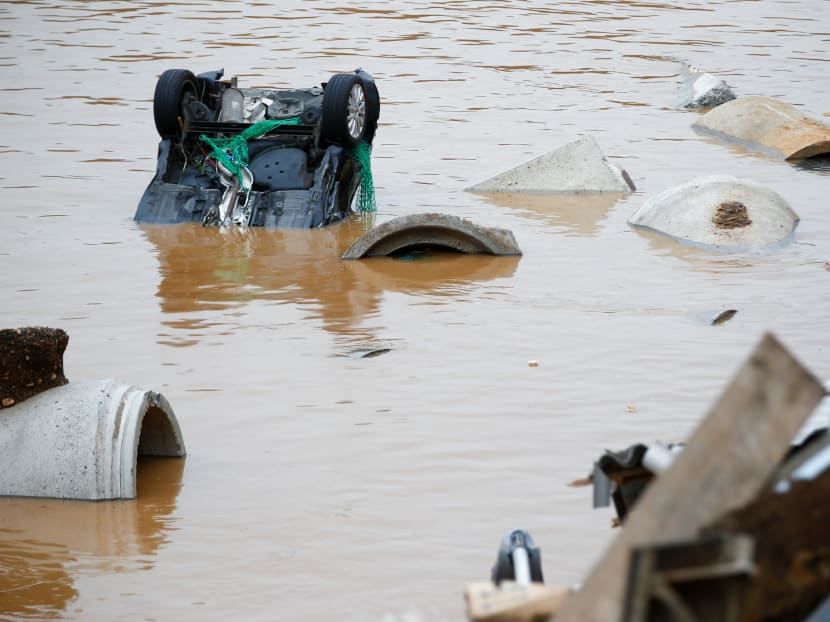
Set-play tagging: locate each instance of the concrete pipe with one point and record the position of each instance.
(442, 231)
(721, 212)
(767, 125)
(83, 440)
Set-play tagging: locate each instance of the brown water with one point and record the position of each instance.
(320, 484)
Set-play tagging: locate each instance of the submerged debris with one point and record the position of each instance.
(578, 167)
(702, 90)
(373, 353)
(723, 316)
(769, 126)
(415, 232)
(261, 156)
(719, 211)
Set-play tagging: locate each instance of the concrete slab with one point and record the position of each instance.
(701, 90)
(719, 211)
(432, 230)
(578, 167)
(767, 125)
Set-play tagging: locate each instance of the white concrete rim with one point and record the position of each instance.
(123, 411)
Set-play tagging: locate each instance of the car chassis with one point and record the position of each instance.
(259, 157)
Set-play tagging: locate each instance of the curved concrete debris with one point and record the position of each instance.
(702, 90)
(417, 231)
(768, 125)
(578, 167)
(83, 440)
(719, 211)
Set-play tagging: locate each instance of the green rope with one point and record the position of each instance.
(362, 154)
(233, 152)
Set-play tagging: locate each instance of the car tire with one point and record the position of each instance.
(345, 110)
(173, 88)
(372, 110)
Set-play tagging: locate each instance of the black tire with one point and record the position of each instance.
(344, 110)
(372, 110)
(173, 88)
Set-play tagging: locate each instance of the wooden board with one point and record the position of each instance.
(724, 465)
(511, 602)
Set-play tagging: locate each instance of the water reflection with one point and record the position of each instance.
(819, 164)
(209, 269)
(33, 581)
(46, 543)
(204, 268)
(712, 260)
(439, 274)
(577, 215)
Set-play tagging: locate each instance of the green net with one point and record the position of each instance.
(233, 152)
(362, 154)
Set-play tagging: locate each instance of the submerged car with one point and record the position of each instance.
(260, 157)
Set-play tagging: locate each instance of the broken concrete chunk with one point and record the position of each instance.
(31, 361)
(719, 211)
(417, 231)
(768, 125)
(702, 90)
(578, 167)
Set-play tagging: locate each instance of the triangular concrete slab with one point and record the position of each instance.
(578, 167)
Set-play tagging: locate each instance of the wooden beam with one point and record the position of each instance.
(723, 466)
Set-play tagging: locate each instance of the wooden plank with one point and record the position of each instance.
(511, 602)
(724, 465)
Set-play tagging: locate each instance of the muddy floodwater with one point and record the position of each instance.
(322, 483)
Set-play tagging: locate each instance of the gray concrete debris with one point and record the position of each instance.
(416, 231)
(767, 125)
(702, 90)
(578, 167)
(82, 441)
(719, 211)
(31, 361)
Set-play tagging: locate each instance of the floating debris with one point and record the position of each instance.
(724, 316)
(702, 90)
(373, 353)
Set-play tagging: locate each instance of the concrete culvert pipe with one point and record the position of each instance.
(441, 231)
(721, 212)
(767, 125)
(84, 440)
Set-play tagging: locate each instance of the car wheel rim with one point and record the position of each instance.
(356, 112)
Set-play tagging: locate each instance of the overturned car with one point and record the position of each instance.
(260, 157)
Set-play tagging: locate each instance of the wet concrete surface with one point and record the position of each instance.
(321, 484)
